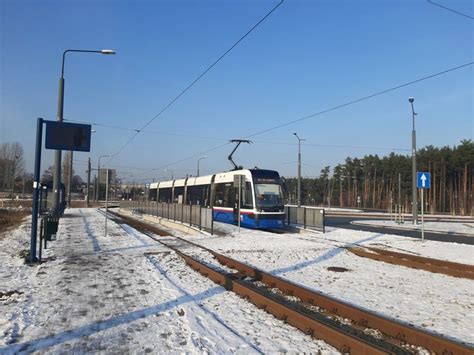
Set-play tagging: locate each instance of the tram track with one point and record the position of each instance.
(415, 262)
(402, 258)
(348, 328)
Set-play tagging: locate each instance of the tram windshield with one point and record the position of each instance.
(268, 195)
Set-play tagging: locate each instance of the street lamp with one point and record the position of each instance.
(299, 168)
(413, 165)
(57, 154)
(204, 157)
(97, 190)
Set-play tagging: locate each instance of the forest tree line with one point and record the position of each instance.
(373, 181)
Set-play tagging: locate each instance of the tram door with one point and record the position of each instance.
(238, 183)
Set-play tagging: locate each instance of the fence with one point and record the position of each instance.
(192, 215)
(306, 217)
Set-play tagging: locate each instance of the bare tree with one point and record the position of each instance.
(12, 163)
(47, 176)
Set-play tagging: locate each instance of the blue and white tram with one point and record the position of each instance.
(261, 196)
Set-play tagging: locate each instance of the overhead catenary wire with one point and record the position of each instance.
(352, 102)
(307, 143)
(448, 9)
(364, 98)
(199, 77)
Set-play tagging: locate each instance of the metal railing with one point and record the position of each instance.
(307, 217)
(192, 215)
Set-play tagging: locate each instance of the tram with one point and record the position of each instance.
(261, 200)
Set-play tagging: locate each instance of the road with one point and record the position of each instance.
(345, 222)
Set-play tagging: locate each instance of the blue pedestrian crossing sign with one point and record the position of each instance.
(423, 180)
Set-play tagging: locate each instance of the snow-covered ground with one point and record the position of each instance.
(437, 302)
(126, 293)
(443, 227)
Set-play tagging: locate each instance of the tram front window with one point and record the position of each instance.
(268, 196)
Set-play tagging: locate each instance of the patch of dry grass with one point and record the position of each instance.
(10, 219)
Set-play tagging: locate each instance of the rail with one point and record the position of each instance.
(346, 338)
(415, 262)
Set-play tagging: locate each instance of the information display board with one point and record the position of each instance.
(68, 136)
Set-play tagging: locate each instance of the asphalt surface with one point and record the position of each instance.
(345, 222)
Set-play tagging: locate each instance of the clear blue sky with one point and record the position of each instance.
(306, 57)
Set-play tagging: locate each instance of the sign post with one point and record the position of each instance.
(36, 187)
(62, 136)
(424, 180)
(106, 200)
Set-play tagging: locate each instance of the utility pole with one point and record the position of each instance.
(98, 176)
(399, 189)
(413, 165)
(299, 168)
(98, 181)
(204, 157)
(88, 181)
(59, 118)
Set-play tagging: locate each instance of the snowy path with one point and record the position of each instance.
(126, 293)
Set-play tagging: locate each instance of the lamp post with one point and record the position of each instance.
(60, 118)
(98, 176)
(413, 165)
(299, 168)
(204, 157)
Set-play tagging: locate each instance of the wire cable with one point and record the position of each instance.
(102, 125)
(307, 143)
(209, 68)
(360, 99)
(329, 110)
(447, 8)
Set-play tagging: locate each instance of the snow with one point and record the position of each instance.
(442, 227)
(125, 292)
(437, 302)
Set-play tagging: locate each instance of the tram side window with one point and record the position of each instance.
(164, 195)
(230, 198)
(204, 199)
(191, 195)
(152, 194)
(178, 194)
(225, 195)
(197, 195)
(247, 200)
(219, 195)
